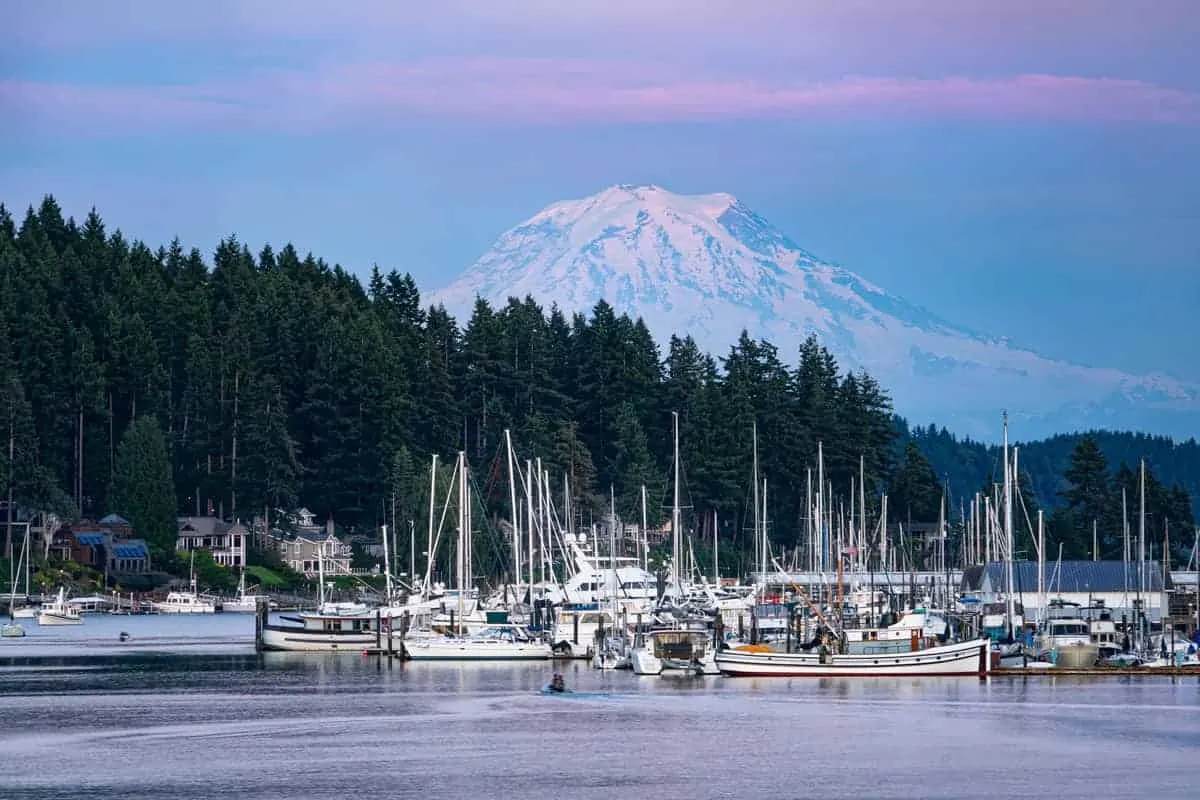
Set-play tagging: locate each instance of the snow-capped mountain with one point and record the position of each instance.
(708, 266)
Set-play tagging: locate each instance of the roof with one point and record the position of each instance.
(204, 526)
(91, 538)
(1079, 577)
(134, 549)
(115, 519)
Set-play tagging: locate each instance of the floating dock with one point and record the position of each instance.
(1096, 672)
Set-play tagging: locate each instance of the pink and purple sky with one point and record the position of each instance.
(1030, 169)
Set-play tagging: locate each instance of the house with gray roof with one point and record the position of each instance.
(227, 541)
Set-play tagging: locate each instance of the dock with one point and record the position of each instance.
(1096, 672)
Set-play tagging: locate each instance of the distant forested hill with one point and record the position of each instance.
(967, 464)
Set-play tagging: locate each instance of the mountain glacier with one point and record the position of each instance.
(708, 266)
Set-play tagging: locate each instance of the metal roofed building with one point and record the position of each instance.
(1116, 585)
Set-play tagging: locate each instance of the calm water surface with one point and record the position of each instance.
(185, 709)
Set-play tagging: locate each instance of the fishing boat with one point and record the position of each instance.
(185, 603)
(60, 612)
(960, 658)
(334, 627)
(189, 602)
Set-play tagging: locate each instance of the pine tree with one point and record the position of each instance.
(914, 493)
(1088, 498)
(143, 491)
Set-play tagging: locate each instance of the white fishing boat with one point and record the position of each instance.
(189, 602)
(60, 612)
(961, 658)
(185, 603)
(493, 643)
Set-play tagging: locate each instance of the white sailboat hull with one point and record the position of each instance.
(960, 659)
(26, 612)
(468, 650)
(297, 639)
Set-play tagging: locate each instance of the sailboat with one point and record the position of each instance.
(244, 603)
(495, 642)
(13, 629)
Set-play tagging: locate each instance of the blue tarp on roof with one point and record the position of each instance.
(92, 539)
(129, 550)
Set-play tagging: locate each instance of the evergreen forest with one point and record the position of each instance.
(156, 382)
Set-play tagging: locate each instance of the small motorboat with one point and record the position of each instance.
(556, 685)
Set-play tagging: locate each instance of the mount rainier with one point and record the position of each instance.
(708, 266)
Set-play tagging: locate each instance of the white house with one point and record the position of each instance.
(226, 541)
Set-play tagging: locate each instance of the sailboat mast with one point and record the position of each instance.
(387, 566)
(764, 530)
(643, 542)
(429, 552)
(676, 534)
(460, 567)
(529, 520)
(1008, 531)
(516, 523)
(716, 552)
(862, 510)
(821, 505)
(762, 567)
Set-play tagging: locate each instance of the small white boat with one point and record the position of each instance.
(186, 602)
(493, 643)
(24, 612)
(60, 612)
(11, 630)
(682, 649)
(244, 603)
(960, 658)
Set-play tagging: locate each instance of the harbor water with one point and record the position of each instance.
(184, 708)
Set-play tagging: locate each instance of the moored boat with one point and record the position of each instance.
(494, 643)
(335, 627)
(961, 658)
(60, 612)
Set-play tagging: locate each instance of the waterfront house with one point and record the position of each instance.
(227, 541)
(101, 549)
(302, 552)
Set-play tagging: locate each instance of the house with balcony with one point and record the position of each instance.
(304, 552)
(226, 541)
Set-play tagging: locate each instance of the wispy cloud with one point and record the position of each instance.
(551, 91)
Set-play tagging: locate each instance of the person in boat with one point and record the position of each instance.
(557, 684)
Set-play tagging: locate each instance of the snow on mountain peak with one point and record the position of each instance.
(707, 266)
